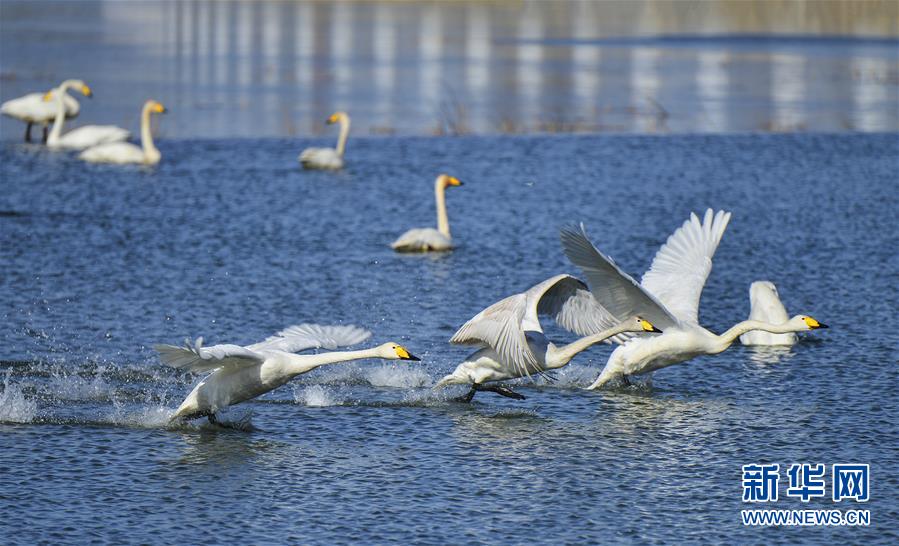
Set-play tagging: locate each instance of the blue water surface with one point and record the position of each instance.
(230, 240)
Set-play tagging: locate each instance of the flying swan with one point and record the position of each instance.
(766, 306)
(32, 108)
(82, 137)
(430, 239)
(241, 373)
(668, 296)
(328, 158)
(512, 339)
(125, 152)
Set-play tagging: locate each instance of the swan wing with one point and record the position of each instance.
(570, 303)
(193, 357)
(616, 291)
(302, 337)
(681, 267)
(421, 239)
(500, 327)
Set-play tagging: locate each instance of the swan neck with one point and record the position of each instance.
(741, 328)
(564, 354)
(303, 363)
(60, 119)
(440, 198)
(344, 133)
(151, 154)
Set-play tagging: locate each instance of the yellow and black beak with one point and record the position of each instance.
(405, 354)
(86, 91)
(331, 120)
(814, 324)
(648, 326)
(453, 181)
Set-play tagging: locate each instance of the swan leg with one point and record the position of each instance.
(501, 390)
(212, 419)
(45, 135)
(625, 380)
(466, 398)
(28, 132)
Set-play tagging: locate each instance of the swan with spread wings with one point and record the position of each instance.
(242, 373)
(668, 296)
(512, 341)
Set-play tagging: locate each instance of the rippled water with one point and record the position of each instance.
(230, 240)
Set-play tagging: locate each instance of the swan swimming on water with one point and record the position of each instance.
(512, 339)
(32, 108)
(430, 239)
(766, 306)
(328, 158)
(82, 137)
(241, 373)
(125, 152)
(668, 296)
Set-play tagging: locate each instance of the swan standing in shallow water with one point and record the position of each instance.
(82, 137)
(241, 373)
(328, 158)
(430, 239)
(125, 152)
(32, 108)
(512, 339)
(766, 306)
(668, 297)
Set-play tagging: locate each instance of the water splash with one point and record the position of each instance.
(14, 407)
(403, 377)
(316, 396)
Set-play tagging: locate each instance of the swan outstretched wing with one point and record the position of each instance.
(569, 302)
(193, 357)
(616, 291)
(681, 267)
(499, 327)
(301, 337)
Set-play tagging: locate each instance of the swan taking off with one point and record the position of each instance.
(32, 108)
(125, 152)
(512, 341)
(82, 137)
(328, 158)
(766, 306)
(668, 296)
(430, 239)
(241, 373)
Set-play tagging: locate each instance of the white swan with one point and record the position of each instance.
(241, 373)
(32, 108)
(82, 137)
(328, 158)
(430, 239)
(766, 306)
(668, 297)
(125, 152)
(512, 339)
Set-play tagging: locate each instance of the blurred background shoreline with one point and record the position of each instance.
(278, 69)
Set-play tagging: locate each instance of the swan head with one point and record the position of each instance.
(805, 322)
(75, 84)
(394, 351)
(643, 325)
(445, 181)
(336, 117)
(155, 107)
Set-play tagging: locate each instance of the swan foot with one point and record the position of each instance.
(626, 380)
(501, 390)
(466, 398)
